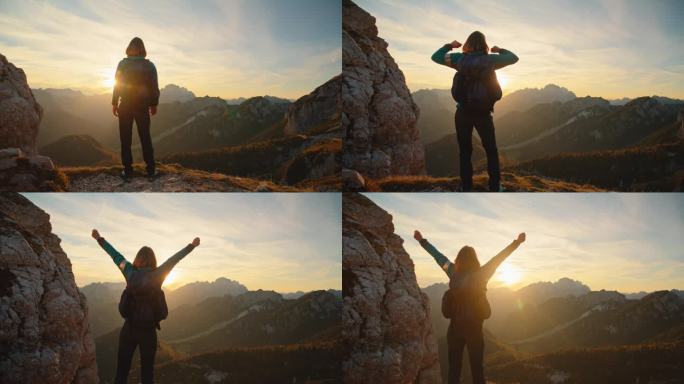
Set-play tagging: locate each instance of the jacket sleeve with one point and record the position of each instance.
(116, 93)
(163, 270)
(488, 269)
(154, 86)
(503, 58)
(442, 56)
(441, 260)
(124, 265)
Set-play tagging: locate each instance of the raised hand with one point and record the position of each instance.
(455, 44)
(417, 235)
(521, 238)
(196, 242)
(95, 234)
(495, 49)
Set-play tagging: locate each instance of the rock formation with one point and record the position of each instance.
(21, 169)
(317, 112)
(44, 331)
(378, 114)
(385, 320)
(20, 114)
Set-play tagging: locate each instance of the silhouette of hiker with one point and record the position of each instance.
(466, 305)
(475, 90)
(137, 87)
(143, 306)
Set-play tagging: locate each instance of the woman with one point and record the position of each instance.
(138, 90)
(466, 329)
(475, 59)
(132, 335)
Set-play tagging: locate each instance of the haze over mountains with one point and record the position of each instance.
(550, 132)
(546, 321)
(224, 320)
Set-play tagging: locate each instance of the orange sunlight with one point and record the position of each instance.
(508, 274)
(109, 80)
(171, 278)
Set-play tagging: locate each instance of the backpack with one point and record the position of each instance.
(136, 82)
(143, 302)
(466, 302)
(475, 86)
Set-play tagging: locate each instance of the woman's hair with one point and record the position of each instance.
(466, 261)
(145, 258)
(476, 42)
(136, 48)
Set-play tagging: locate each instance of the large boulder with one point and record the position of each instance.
(378, 114)
(44, 331)
(20, 114)
(386, 317)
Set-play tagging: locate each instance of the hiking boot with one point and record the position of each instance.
(151, 175)
(126, 174)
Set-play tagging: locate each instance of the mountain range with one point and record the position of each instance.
(633, 144)
(221, 323)
(548, 322)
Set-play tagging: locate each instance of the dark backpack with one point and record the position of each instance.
(466, 303)
(143, 303)
(475, 86)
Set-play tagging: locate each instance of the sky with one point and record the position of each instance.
(236, 48)
(282, 242)
(628, 242)
(607, 48)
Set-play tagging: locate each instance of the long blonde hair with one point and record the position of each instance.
(136, 48)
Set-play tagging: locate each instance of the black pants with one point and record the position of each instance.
(141, 116)
(462, 335)
(130, 338)
(484, 125)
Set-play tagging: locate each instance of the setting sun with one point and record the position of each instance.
(503, 80)
(508, 274)
(171, 278)
(109, 80)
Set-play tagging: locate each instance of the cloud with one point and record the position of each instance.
(608, 241)
(599, 48)
(285, 242)
(218, 48)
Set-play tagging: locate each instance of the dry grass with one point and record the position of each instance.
(510, 181)
(172, 178)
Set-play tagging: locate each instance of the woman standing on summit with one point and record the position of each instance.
(137, 87)
(142, 305)
(475, 89)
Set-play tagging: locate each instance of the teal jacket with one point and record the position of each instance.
(483, 274)
(158, 274)
(498, 61)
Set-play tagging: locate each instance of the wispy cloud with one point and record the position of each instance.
(217, 48)
(284, 242)
(629, 242)
(599, 48)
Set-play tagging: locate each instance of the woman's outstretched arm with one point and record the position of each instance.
(488, 269)
(441, 260)
(502, 58)
(118, 258)
(442, 55)
(168, 265)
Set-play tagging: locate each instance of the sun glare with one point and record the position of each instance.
(171, 278)
(503, 80)
(108, 81)
(508, 274)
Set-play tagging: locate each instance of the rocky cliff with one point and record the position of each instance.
(378, 114)
(21, 169)
(385, 316)
(44, 332)
(318, 112)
